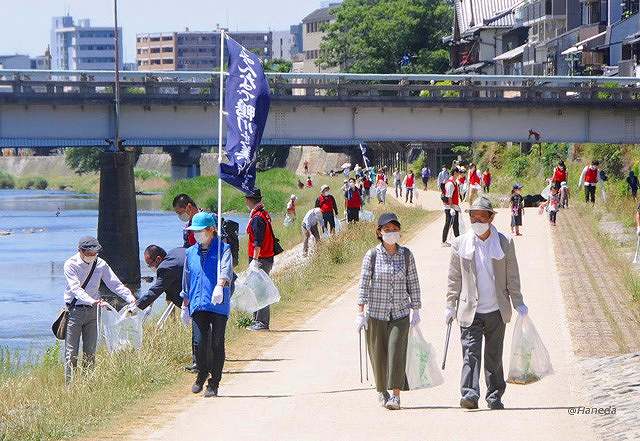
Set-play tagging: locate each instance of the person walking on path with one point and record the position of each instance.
(425, 174)
(443, 177)
(352, 202)
(451, 206)
(83, 273)
(564, 195)
(207, 298)
(390, 290)
(397, 183)
(517, 209)
(486, 181)
(559, 175)
(483, 283)
(552, 205)
(310, 224)
(589, 178)
(409, 182)
(632, 184)
(366, 188)
(327, 204)
(474, 182)
(185, 207)
(261, 249)
(381, 186)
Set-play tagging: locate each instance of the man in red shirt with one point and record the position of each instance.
(486, 181)
(261, 249)
(327, 204)
(366, 185)
(352, 201)
(589, 178)
(186, 208)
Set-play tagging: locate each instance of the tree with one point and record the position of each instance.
(83, 159)
(374, 36)
(278, 65)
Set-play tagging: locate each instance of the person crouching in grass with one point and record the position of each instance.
(390, 289)
(207, 299)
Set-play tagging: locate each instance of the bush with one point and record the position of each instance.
(40, 184)
(419, 163)
(146, 174)
(82, 159)
(6, 181)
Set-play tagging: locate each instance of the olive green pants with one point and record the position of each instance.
(387, 343)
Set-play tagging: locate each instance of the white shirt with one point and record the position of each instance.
(487, 300)
(311, 218)
(76, 271)
(397, 177)
(443, 176)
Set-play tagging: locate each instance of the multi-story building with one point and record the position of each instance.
(283, 44)
(312, 33)
(190, 50)
(15, 61)
(82, 46)
(42, 62)
(296, 32)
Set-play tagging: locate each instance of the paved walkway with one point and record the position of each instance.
(307, 386)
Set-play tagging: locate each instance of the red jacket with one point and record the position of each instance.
(591, 176)
(474, 179)
(455, 197)
(327, 204)
(366, 183)
(353, 198)
(410, 180)
(266, 249)
(486, 178)
(559, 175)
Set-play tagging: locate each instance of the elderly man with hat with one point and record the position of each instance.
(483, 285)
(84, 271)
(261, 249)
(208, 273)
(327, 205)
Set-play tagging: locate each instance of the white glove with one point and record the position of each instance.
(522, 309)
(218, 294)
(415, 317)
(449, 315)
(452, 212)
(638, 231)
(253, 264)
(184, 315)
(360, 322)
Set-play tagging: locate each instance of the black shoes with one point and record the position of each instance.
(197, 387)
(468, 404)
(210, 391)
(496, 405)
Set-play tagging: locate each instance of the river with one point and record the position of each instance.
(33, 254)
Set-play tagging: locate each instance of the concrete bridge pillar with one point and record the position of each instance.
(117, 219)
(185, 162)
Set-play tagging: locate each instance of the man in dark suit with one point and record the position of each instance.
(168, 268)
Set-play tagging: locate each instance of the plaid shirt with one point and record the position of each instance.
(394, 290)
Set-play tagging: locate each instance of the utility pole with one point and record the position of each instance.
(117, 143)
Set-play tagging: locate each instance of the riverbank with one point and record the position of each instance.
(36, 405)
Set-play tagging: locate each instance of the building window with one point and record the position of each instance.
(167, 38)
(167, 61)
(155, 61)
(167, 49)
(155, 50)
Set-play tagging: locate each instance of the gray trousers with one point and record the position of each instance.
(82, 322)
(264, 315)
(491, 327)
(307, 235)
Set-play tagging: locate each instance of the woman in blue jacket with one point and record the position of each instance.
(207, 297)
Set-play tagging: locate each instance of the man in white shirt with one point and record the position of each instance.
(310, 223)
(443, 177)
(82, 297)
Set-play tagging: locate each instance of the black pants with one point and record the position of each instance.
(263, 315)
(328, 222)
(353, 214)
(552, 216)
(491, 327)
(590, 194)
(208, 335)
(450, 220)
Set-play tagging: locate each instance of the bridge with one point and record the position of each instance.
(179, 109)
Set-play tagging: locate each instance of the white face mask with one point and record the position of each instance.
(88, 259)
(201, 237)
(325, 193)
(479, 228)
(391, 238)
(184, 217)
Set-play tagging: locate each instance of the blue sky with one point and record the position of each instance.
(26, 24)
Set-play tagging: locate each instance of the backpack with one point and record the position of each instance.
(230, 236)
(603, 176)
(406, 261)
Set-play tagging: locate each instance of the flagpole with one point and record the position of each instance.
(220, 117)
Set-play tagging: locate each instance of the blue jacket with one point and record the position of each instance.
(200, 277)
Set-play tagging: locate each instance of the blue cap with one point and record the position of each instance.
(203, 220)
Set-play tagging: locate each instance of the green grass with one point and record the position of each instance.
(36, 405)
(7, 181)
(146, 174)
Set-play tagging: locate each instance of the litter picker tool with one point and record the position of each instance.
(446, 343)
(360, 352)
(366, 357)
(165, 315)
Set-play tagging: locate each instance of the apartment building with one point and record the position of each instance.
(312, 33)
(82, 46)
(191, 50)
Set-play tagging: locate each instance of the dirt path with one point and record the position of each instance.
(307, 386)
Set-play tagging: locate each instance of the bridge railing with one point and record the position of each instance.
(203, 87)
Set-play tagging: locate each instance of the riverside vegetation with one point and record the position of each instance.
(36, 405)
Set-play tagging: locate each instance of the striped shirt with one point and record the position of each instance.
(394, 290)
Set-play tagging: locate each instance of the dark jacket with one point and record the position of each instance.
(168, 280)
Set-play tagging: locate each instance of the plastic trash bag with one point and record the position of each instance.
(366, 216)
(338, 224)
(462, 225)
(288, 220)
(254, 290)
(121, 329)
(546, 192)
(529, 358)
(422, 367)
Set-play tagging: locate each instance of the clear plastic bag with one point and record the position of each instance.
(338, 224)
(366, 216)
(254, 290)
(288, 220)
(546, 193)
(462, 225)
(121, 329)
(529, 357)
(422, 367)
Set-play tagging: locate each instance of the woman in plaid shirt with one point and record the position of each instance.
(390, 288)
